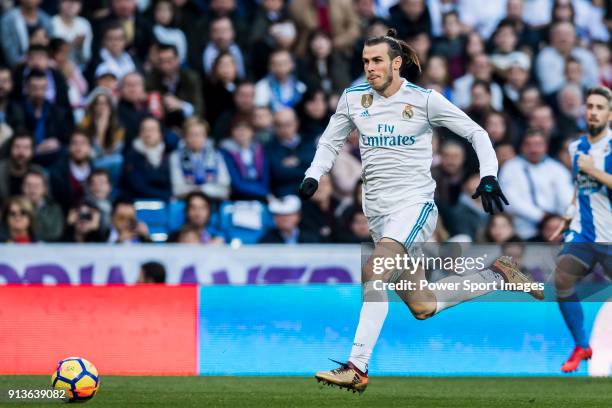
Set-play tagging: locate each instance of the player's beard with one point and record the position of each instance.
(386, 84)
(594, 130)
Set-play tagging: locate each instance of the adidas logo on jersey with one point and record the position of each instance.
(365, 114)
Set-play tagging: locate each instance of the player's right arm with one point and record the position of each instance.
(330, 143)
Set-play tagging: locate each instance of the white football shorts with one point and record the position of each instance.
(410, 225)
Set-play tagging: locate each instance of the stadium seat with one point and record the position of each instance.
(176, 215)
(245, 221)
(154, 213)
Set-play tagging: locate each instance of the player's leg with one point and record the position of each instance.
(354, 374)
(573, 264)
(425, 302)
(375, 305)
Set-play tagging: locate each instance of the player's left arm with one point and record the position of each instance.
(441, 112)
(586, 163)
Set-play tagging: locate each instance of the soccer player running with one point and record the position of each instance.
(395, 119)
(589, 218)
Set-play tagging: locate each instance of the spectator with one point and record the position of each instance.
(152, 272)
(291, 154)
(286, 213)
(571, 111)
(482, 17)
(14, 168)
(505, 42)
(499, 229)
(550, 61)
(164, 30)
(268, 13)
(188, 234)
(436, 75)
(467, 217)
(222, 39)
(479, 69)
(534, 184)
(75, 30)
(197, 166)
(107, 80)
(474, 46)
(113, 56)
(350, 203)
(263, 120)
(449, 175)
(516, 79)
(313, 114)
(480, 105)
(246, 163)
(84, 225)
(18, 223)
(241, 109)
(49, 219)
(529, 100)
(197, 216)
(282, 35)
(504, 152)
(529, 36)
(69, 174)
(601, 51)
(318, 213)
(137, 28)
(450, 46)
(76, 84)
(146, 168)
(321, 68)
(280, 89)
(15, 26)
(410, 17)
(497, 126)
(186, 14)
(358, 229)
(107, 136)
(133, 107)
(547, 229)
(346, 172)
(337, 18)
(99, 192)
(125, 228)
(220, 86)
(38, 59)
(179, 87)
(543, 119)
(202, 31)
(12, 116)
(38, 37)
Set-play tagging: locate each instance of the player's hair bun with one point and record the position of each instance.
(392, 32)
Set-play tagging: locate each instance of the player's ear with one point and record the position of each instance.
(397, 63)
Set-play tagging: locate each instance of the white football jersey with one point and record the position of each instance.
(593, 220)
(395, 143)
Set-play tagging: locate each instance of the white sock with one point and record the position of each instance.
(371, 319)
(448, 298)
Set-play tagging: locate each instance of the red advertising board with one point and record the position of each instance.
(128, 330)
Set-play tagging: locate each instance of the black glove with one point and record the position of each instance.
(308, 188)
(490, 192)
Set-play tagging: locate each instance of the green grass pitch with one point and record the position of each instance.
(178, 392)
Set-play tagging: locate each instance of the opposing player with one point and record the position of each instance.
(395, 118)
(590, 217)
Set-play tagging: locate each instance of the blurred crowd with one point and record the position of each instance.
(107, 105)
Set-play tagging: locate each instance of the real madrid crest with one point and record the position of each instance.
(366, 100)
(407, 113)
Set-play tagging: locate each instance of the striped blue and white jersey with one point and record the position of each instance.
(395, 143)
(593, 218)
